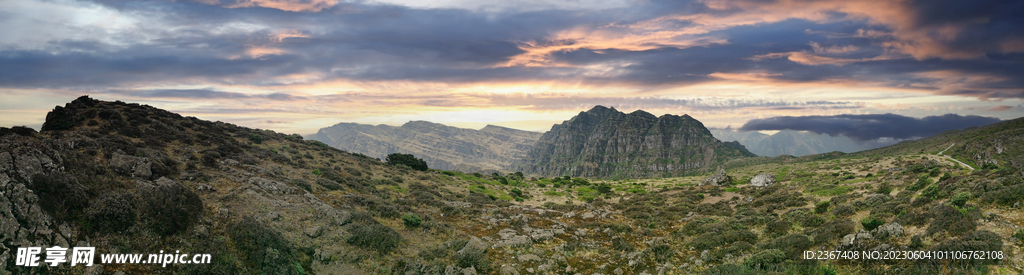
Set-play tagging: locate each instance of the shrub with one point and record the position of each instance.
(265, 249)
(317, 172)
(170, 207)
(374, 236)
(843, 210)
(921, 183)
(408, 160)
(951, 220)
(258, 139)
(778, 228)
(821, 207)
(712, 240)
(871, 222)
(792, 245)
(765, 259)
(112, 212)
(411, 220)
(828, 232)
(60, 193)
(661, 253)
(884, 188)
(960, 199)
(931, 191)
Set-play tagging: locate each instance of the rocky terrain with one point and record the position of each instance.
(604, 142)
(789, 142)
(442, 147)
(129, 178)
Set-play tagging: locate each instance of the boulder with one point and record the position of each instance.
(718, 179)
(762, 180)
(889, 230)
(131, 166)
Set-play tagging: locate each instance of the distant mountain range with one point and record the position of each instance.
(606, 143)
(442, 147)
(789, 142)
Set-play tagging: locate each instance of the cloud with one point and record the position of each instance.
(203, 94)
(870, 127)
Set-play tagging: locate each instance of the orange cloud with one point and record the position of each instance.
(1002, 108)
(285, 5)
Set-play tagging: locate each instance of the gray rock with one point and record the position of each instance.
(508, 270)
(507, 233)
(323, 255)
(96, 269)
(469, 271)
(705, 255)
(889, 230)
(131, 165)
(272, 186)
(314, 232)
(618, 271)
(515, 241)
(473, 248)
(762, 180)
(529, 258)
(718, 179)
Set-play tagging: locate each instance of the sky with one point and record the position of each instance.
(295, 66)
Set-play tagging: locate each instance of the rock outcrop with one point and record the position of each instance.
(718, 179)
(442, 147)
(604, 142)
(762, 180)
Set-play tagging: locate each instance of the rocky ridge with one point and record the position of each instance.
(442, 147)
(604, 142)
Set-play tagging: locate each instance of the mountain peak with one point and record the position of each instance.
(607, 143)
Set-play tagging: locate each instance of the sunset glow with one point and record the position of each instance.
(296, 66)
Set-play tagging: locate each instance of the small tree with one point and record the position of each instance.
(408, 160)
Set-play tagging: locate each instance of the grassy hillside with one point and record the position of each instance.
(128, 178)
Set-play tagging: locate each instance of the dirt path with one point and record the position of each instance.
(953, 159)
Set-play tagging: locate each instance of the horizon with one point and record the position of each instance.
(298, 66)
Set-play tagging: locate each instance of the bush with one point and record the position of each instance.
(843, 210)
(778, 228)
(921, 183)
(712, 240)
(258, 139)
(932, 191)
(834, 230)
(112, 212)
(871, 222)
(951, 220)
(60, 194)
(170, 207)
(960, 199)
(374, 236)
(822, 207)
(408, 160)
(793, 245)
(411, 220)
(265, 249)
(884, 188)
(765, 259)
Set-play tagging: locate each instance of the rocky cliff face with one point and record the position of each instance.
(442, 147)
(604, 142)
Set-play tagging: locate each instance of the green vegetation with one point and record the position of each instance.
(407, 160)
(255, 138)
(411, 220)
